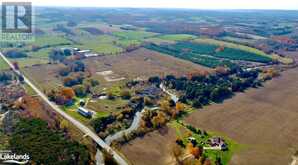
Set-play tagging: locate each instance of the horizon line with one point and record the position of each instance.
(168, 8)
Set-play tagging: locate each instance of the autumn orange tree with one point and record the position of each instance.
(159, 120)
(68, 93)
(165, 106)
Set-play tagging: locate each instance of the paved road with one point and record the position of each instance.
(76, 123)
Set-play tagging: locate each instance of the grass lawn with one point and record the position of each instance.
(225, 156)
(72, 110)
(106, 106)
(29, 90)
(100, 114)
(77, 116)
(3, 65)
(177, 37)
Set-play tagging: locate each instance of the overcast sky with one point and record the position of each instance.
(198, 4)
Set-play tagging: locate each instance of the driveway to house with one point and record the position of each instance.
(134, 126)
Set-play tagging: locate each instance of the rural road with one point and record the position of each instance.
(76, 123)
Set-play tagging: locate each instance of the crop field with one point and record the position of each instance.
(205, 60)
(264, 120)
(155, 146)
(207, 54)
(152, 63)
(230, 45)
(228, 53)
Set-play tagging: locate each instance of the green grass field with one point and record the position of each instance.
(102, 48)
(50, 40)
(126, 43)
(238, 40)
(177, 37)
(158, 41)
(103, 44)
(42, 53)
(3, 65)
(133, 35)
